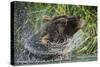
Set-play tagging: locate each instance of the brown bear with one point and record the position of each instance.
(59, 28)
(51, 40)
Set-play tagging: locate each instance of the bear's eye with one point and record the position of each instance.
(61, 22)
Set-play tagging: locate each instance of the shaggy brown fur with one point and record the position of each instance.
(59, 28)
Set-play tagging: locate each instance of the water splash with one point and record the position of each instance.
(30, 46)
(71, 44)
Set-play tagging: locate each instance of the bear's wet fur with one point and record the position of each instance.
(59, 28)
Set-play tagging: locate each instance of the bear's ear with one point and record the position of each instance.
(47, 18)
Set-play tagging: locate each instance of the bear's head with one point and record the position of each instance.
(60, 27)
